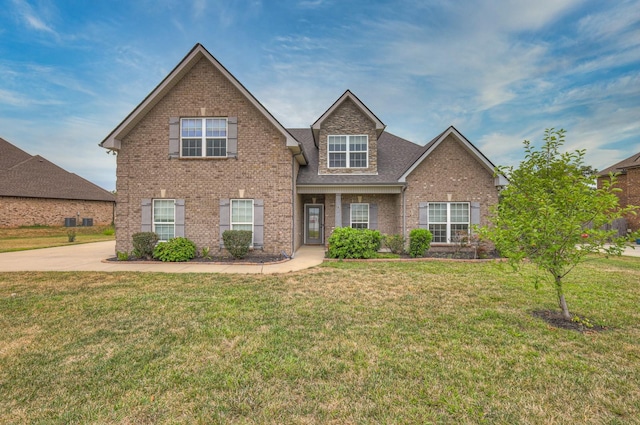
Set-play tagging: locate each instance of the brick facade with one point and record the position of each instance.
(449, 174)
(263, 169)
(348, 119)
(629, 185)
(17, 211)
(269, 163)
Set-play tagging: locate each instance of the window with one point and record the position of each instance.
(164, 218)
(242, 214)
(360, 216)
(348, 151)
(203, 137)
(447, 220)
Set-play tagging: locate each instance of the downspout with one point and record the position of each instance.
(294, 196)
(404, 213)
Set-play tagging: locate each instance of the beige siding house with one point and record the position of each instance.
(201, 155)
(34, 191)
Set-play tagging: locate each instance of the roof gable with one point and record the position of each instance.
(347, 95)
(198, 52)
(11, 155)
(433, 144)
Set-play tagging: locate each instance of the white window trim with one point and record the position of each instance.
(347, 152)
(253, 217)
(351, 222)
(203, 138)
(153, 217)
(448, 222)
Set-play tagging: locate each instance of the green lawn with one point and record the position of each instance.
(24, 238)
(418, 342)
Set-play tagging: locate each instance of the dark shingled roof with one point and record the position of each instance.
(26, 176)
(632, 162)
(395, 155)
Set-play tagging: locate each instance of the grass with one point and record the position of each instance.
(383, 342)
(34, 237)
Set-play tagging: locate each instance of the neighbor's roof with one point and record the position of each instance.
(621, 167)
(26, 176)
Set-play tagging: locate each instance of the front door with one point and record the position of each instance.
(314, 224)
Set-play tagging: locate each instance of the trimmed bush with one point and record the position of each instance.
(237, 242)
(419, 242)
(144, 243)
(175, 250)
(346, 242)
(395, 243)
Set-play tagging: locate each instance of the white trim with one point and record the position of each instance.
(349, 189)
(203, 138)
(113, 140)
(348, 152)
(465, 143)
(348, 95)
(153, 216)
(351, 222)
(244, 223)
(448, 223)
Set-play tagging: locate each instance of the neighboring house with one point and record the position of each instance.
(628, 181)
(201, 155)
(34, 191)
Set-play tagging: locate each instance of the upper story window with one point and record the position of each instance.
(448, 220)
(348, 151)
(203, 137)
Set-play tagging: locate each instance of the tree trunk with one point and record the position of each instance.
(561, 301)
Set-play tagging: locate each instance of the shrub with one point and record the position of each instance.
(419, 242)
(71, 235)
(237, 242)
(122, 255)
(144, 243)
(109, 231)
(346, 242)
(176, 249)
(395, 243)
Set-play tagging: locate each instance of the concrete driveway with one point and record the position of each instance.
(91, 256)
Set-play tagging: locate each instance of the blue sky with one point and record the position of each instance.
(501, 71)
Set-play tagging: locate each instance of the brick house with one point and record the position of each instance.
(201, 155)
(628, 175)
(34, 191)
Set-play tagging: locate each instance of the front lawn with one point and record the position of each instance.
(418, 342)
(24, 238)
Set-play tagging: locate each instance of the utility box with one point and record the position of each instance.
(70, 222)
(87, 222)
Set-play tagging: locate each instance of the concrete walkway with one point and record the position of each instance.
(91, 256)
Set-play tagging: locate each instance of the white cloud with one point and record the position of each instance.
(31, 19)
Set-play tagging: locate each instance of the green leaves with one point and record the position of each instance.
(550, 213)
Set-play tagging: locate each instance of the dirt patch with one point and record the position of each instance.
(579, 324)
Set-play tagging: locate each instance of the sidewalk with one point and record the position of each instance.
(91, 256)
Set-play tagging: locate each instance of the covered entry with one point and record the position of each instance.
(314, 224)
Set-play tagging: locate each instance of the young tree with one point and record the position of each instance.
(551, 214)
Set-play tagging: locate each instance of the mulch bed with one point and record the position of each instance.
(218, 259)
(555, 319)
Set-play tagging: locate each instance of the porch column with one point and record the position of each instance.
(338, 210)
